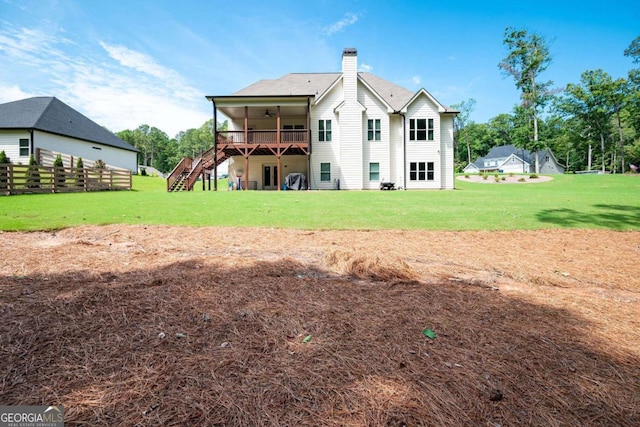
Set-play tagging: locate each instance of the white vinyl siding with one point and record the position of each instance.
(423, 111)
(350, 116)
(323, 152)
(10, 144)
(87, 150)
(376, 136)
(446, 152)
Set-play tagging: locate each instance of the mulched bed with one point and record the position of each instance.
(135, 325)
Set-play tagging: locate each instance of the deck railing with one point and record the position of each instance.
(263, 136)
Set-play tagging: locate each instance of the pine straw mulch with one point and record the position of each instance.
(134, 325)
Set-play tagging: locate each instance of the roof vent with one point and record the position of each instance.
(350, 51)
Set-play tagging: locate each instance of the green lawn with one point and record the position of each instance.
(568, 201)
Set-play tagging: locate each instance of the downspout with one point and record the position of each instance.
(31, 149)
(246, 150)
(215, 146)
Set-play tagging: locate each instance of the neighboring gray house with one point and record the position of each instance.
(508, 158)
(50, 124)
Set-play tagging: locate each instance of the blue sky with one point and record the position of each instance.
(125, 63)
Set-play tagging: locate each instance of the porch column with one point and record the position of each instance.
(215, 149)
(278, 136)
(246, 172)
(246, 149)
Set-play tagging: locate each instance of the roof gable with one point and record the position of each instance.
(49, 114)
(318, 84)
(504, 151)
(441, 107)
(390, 93)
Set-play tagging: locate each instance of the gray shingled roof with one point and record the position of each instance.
(315, 84)
(49, 114)
(297, 84)
(394, 95)
(505, 151)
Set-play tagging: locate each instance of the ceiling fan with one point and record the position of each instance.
(267, 113)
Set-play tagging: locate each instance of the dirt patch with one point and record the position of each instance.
(505, 179)
(135, 325)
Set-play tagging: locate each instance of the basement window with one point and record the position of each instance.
(325, 172)
(421, 171)
(374, 171)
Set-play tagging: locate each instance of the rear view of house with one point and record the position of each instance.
(348, 130)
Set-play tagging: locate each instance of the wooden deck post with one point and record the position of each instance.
(278, 137)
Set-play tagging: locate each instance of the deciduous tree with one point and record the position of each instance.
(462, 120)
(528, 57)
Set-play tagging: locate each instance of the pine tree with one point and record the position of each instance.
(33, 173)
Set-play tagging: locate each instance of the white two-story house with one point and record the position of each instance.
(349, 130)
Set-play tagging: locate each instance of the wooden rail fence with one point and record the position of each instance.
(21, 179)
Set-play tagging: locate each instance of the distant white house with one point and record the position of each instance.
(349, 130)
(508, 158)
(48, 123)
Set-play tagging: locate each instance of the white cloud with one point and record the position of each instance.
(365, 68)
(138, 61)
(119, 89)
(12, 93)
(416, 80)
(349, 19)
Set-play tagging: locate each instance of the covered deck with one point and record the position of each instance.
(263, 125)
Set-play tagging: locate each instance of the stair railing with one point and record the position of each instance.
(184, 164)
(192, 176)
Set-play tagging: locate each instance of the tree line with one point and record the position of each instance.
(590, 124)
(164, 153)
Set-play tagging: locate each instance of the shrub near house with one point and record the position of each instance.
(59, 171)
(3, 170)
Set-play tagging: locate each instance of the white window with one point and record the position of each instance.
(373, 130)
(421, 129)
(421, 171)
(24, 147)
(374, 171)
(324, 130)
(325, 172)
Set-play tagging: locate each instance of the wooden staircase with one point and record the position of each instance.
(184, 176)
